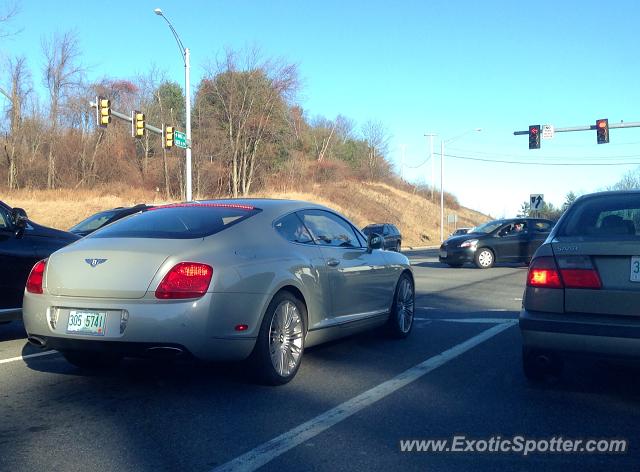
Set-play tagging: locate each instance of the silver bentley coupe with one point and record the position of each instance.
(217, 280)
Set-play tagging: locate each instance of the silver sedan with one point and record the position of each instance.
(218, 280)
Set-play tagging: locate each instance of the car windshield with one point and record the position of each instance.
(188, 221)
(487, 227)
(604, 217)
(94, 222)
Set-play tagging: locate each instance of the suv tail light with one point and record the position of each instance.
(185, 280)
(569, 272)
(36, 276)
(543, 273)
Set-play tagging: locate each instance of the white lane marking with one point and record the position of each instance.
(518, 299)
(477, 320)
(497, 309)
(268, 451)
(28, 356)
(426, 308)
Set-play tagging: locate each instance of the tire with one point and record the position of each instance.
(277, 355)
(455, 266)
(398, 246)
(92, 360)
(484, 258)
(403, 308)
(536, 369)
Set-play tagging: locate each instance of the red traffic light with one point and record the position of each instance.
(602, 131)
(534, 137)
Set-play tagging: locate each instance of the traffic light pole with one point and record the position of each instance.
(127, 118)
(635, 124)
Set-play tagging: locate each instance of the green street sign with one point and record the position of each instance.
(180, 139)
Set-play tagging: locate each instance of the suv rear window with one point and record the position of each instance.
(378, 229)
(604, 217)
(184, 221)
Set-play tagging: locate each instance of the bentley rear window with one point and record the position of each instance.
(185, 221)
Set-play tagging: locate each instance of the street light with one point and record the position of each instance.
(187, 92)
(442, 143)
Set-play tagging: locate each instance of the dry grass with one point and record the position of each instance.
(363, 202)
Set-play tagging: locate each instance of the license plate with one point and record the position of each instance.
(635, 269)
(87, 322)
(443, 254)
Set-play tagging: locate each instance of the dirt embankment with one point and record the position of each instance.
(418, 218)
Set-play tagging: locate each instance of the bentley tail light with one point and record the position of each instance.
(34, 282)
(185, 280)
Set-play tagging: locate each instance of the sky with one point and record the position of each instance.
(442, 67)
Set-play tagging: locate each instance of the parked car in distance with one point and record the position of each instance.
(507, 240)
(583, 287)
(103, 218)
(218, 280)
(390, 234)
(22, 244)
(460, 231)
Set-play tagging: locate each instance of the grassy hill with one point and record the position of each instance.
(363, 202)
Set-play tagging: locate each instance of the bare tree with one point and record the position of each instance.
(377, 138)
(6, 15)
(17, 94)
(250, 104)
(323, 131)
(61, 73)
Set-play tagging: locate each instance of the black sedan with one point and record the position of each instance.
(509, 240)
(104, 218)
(389, 233)
(22, 244)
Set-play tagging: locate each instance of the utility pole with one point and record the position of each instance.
(403, 148)
(432, 180)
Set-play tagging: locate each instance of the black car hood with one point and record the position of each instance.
(46, 232)
(456, 240)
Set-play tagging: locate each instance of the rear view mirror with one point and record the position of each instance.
(19, 219)
(374, 241)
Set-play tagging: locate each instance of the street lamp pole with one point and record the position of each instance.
(441, 190)
(187, 93)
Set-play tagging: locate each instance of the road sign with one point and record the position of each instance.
(180, 139)
(547, 131)
(536, 201)
(452, 218)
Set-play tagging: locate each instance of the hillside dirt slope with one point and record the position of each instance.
(363, 202)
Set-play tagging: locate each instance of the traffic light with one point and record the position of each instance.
(602, 130)
(534, 137)
(167, 137)
(103, 111)
(137, 124)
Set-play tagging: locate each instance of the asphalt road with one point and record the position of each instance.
(350, 406)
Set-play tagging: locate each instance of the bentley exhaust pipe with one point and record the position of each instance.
(37, 341)
(164, 352)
